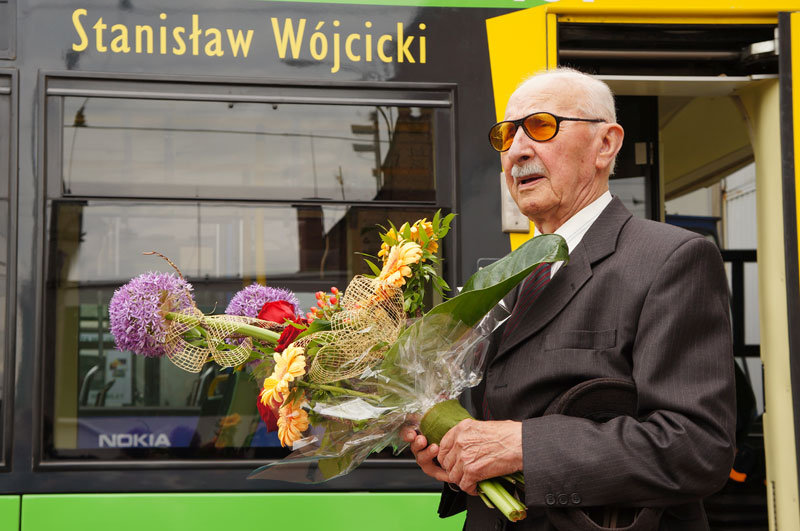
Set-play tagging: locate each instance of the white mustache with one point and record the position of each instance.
(531, 167)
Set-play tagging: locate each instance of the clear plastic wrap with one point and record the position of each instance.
(434, 360)
(412, 378)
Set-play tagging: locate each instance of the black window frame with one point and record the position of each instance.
(8, 171)
(61, 84)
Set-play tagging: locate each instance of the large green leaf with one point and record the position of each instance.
(485, 289)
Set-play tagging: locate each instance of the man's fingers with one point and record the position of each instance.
(426, 459)
(408, 434)
(419, 444)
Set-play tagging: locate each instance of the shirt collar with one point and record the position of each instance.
(576, 226)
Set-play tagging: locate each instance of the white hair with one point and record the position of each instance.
(595, 98)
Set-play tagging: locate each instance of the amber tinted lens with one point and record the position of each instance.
(541, 126)
(502, 135)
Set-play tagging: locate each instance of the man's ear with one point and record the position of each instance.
(611, 142)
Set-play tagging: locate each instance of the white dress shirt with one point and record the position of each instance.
(576, 226)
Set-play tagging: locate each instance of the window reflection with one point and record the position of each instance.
(113, 404)
(189, 149)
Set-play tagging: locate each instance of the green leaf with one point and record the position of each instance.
(375, 269)
(486, 288)
(426, 268)
(435, 221)
(317, 325)
(423, 237)
(446, 225)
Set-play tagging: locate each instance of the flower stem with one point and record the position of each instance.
(500, 498)
(340, 390)
(241, 328)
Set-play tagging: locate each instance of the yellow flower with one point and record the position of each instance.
(289, 364)
(432, 246)
(292, 422)
(397, 262)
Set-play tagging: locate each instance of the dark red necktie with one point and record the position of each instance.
(531, 288)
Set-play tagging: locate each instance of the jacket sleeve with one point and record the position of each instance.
(680, 448)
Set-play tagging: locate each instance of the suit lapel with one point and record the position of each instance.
(599, 242)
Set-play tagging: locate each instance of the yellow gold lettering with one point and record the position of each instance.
(239, 42)
(177, 34)
(98, 31)
(214, 46)
(422, 53)
(289, 35)
(195, 35)
(318, 44)
(120, 42)
(348, 47)
(381, 51)
(336, 50)
(76, 21)
(162, 32)
(403, 45)
(140, 30)
(368, 47)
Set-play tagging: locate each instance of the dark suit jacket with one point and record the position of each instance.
(645, 302)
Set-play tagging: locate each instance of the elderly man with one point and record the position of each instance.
(641, 310)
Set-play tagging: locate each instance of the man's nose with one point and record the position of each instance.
(522, 148)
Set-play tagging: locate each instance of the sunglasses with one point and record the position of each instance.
(539, 126)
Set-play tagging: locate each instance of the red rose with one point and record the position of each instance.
(290, 333)
(267, 415)
(276, 311)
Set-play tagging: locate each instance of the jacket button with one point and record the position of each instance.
(550, 499)
(499, 525)
(574, 498)
(562, 499)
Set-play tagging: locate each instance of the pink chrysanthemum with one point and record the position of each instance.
(136, 311)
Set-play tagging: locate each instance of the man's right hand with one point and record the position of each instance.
(425, 454)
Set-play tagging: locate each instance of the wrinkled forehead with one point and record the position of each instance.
(541, 94)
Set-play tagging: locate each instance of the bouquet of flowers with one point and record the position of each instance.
(345, 379)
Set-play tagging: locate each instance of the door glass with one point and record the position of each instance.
(635, 179)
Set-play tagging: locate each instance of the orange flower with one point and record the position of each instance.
(289, 364)
(385, 247)
(396, 265)
(292, 422)
(384, 252)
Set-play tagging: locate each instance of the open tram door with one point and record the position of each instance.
(721, 76)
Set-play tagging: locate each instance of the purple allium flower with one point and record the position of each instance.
(248, 302)
(135, 311)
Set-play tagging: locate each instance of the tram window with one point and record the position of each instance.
(234, 188)
(199, 149)
(114, 405)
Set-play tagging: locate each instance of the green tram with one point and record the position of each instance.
(262, 141)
